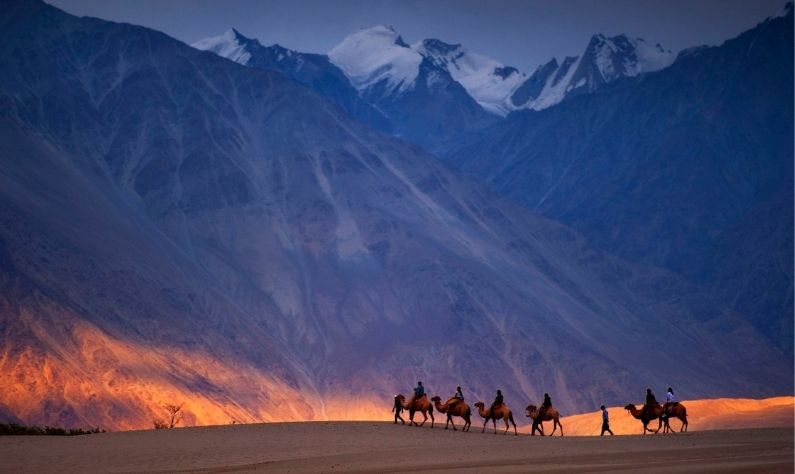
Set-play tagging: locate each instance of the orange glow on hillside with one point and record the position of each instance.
(119, 385)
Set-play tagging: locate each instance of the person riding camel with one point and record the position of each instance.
(651, 402)
(496, 404)
(457, 398)
(419, 392)
(545, 405)
(670, 402)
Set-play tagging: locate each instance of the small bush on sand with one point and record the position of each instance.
(174, 417)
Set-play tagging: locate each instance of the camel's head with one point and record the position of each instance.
(400, 398)
(629, 407)
(480, 405)
(436, 399)
(529, 410)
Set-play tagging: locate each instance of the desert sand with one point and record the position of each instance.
(384, 447)
(708, 414)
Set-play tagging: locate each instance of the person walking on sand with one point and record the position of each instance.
(398, 408)
(605, 422)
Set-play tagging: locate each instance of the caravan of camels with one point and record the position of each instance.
(455, 406)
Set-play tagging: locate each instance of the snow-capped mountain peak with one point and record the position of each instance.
(605, 59)
(620, 56)
(488, 81)
(231, 45)
(375, 55)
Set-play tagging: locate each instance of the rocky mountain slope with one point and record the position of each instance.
(689, 168)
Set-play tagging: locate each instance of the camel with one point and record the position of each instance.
(417, 405)
(459, 409)
(676, 411)
(549, 414)
(679, 411)
(502, 412)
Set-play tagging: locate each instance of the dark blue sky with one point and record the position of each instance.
(520, 33)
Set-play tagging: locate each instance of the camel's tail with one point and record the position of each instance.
(430, 408)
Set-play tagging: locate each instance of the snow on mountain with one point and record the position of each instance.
(605, 59)
(374, 55)
(312, 70)
(426, 104)
(488, 81)
(231, 45)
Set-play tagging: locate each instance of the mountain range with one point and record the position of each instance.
(176, 227)
(435, 93)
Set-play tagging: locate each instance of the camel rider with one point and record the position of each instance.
(419, 392)
(496, 404)
(651, 402)
(458, 397)
(398, 408)
(670, 402)
(547, 403)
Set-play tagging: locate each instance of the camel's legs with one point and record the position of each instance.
(411, 418)
(430, 412)
(494, 422)
(507, 426)
(450, 420)
(424, 419)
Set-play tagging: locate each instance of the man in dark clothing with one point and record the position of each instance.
(398, 408)
(496, 404)
(419, 391)
(546, 404)
(650, 403)
(605, 422)
(457, 398)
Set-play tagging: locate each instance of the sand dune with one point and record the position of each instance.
(384, 447)
(726, 435)
(712, 414)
